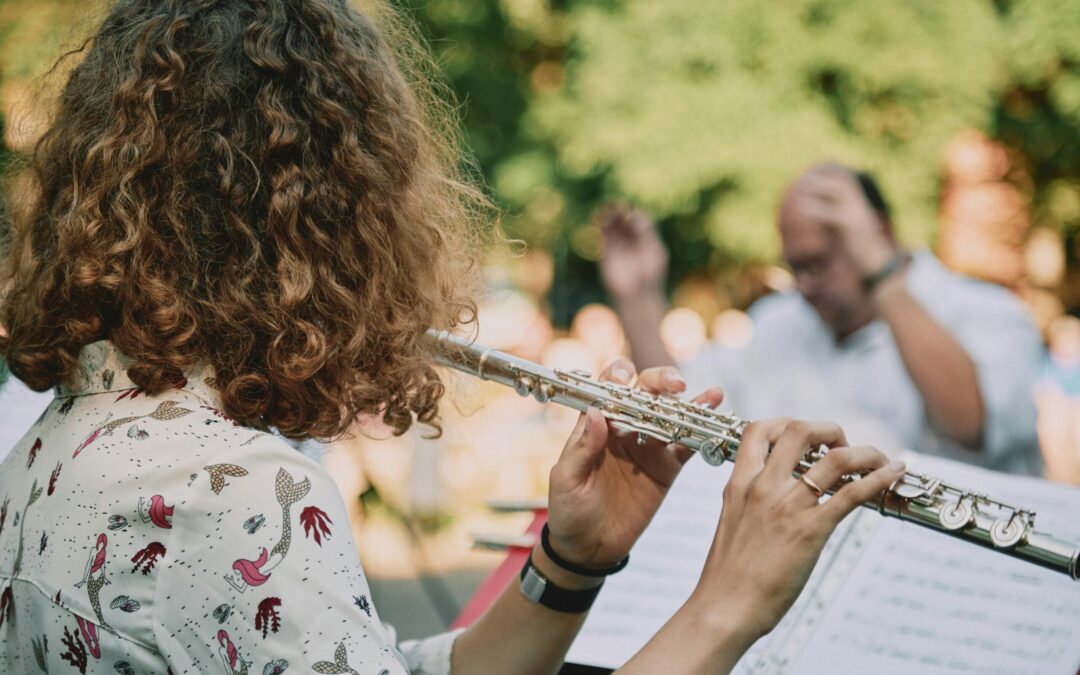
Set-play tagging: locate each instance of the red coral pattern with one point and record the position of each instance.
(267, 615)
(33, 453)
(129, 394)
(146, 557)
(315, 521)
(7, 604)
(52, 479)
(76, 650)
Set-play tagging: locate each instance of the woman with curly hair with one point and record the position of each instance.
(243, 218)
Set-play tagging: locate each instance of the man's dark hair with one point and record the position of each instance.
(873, 195)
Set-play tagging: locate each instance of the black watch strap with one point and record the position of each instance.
(894, 265)
(541, 591)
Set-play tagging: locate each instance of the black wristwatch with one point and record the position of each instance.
(541, 591)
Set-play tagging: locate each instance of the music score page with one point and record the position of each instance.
(886, 597)
(922, 602)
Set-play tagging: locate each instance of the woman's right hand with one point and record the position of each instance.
(773, 526)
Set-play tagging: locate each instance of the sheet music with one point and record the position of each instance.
(886, 597)
(664, 568)
(922, 602)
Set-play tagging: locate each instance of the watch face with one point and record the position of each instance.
(532, 584)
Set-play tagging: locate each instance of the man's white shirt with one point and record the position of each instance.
(794, 366)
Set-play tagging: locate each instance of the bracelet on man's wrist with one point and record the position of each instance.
(558, 561)
(894, 265)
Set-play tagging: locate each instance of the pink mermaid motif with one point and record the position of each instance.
(255, 572)
(90, 637)
(94, 578)
(96, 563)
(250, 571)
(166, 410)
(105, 429)
(155, 510)
(230, 656)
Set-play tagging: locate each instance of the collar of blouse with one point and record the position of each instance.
(103, 369)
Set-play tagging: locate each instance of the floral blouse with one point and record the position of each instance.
(155, 535)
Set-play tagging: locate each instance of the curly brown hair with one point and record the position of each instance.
(264, 186)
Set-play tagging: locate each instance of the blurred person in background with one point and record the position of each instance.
(902, 351)
(1058, 399)
(245, 217)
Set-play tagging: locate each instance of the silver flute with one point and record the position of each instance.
(916, 498)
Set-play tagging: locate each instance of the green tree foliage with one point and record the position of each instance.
(702, 111)
(1038, 110)
(710, 108)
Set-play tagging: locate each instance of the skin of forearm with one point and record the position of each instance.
(641, 316)
(942, 371)
(702, 638)
(517, 635)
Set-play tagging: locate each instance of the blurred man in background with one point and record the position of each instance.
(901, 351)
(1058, 401)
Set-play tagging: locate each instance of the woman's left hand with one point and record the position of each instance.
(606, 487)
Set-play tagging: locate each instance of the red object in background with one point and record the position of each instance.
(506, 573)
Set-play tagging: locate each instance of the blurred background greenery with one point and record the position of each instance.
(701, 111)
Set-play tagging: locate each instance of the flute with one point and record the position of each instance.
(915, 498)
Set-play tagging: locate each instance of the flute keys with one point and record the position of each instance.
(710, 452)
(1008, 532)
(523, 385)
(957, 515)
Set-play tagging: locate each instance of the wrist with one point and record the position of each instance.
(650, 294)
(890, 269)
(560, 577)
(586, 570)
(728, 627)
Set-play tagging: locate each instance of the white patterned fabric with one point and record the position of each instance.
(156, 535)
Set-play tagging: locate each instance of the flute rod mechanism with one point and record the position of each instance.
(915, 498)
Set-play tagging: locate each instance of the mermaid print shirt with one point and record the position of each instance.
(144, 535)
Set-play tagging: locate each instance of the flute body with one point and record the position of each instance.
(915, 498)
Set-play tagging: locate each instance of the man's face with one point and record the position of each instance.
(823, 273)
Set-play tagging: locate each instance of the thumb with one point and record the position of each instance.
(585, 447)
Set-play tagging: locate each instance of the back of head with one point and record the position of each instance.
(252, 184)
